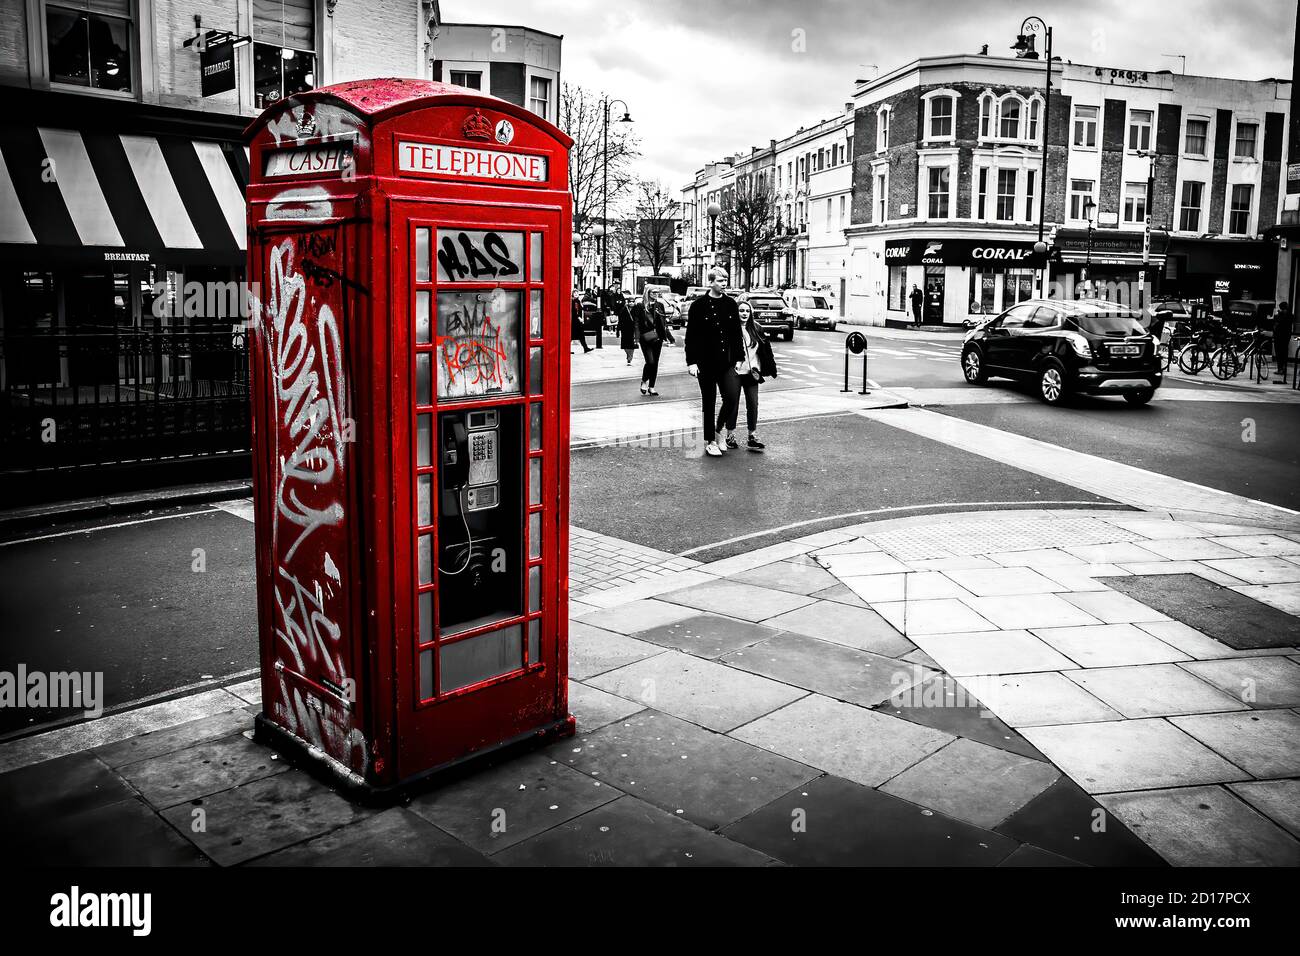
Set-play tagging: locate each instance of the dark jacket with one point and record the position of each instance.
(1283, 328)
(766, 360)
(575, 320)
(627, 330)
(651, 321)
(713, 333)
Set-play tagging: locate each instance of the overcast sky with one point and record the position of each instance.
(704, 78)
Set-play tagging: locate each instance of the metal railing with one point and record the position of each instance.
(102, 395)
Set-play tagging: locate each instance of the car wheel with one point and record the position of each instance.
(1139, 397)
(1051, 383)
(972, 366)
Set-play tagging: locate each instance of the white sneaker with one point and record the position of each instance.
(713, 450)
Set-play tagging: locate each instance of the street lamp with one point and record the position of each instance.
(604, 187)
(714, 210)
(1089, 208)
(577, 255)
(1149, 154)
(1024, 46)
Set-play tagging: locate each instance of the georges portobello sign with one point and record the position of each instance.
(962, 252)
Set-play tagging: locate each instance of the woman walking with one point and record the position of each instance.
(627, 330)
(758, 362)
(653, 331)
(576, 330)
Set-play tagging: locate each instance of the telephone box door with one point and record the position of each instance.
(476, 375)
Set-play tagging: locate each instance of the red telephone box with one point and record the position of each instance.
(410, 254)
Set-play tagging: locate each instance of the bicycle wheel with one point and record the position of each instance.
(1193, 358)
(1163, 355)
(1262, 367)
(1224, 363)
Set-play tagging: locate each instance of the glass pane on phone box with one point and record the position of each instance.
(478, 336)
(478, 658)
(534, 481)
(535, 258)
(426, 674)
(423, 324)
(423, 379)
(422, 254)
(535, 313)
(535, 535)
(425, 556)
(423, 439)
(426, 617)
(478, 255)
(534, 589)
(535, 426)
(534, 640)
(535, 371)
(424, 500)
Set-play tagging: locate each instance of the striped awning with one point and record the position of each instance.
(63, 190)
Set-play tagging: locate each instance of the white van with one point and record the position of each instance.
(811, 310)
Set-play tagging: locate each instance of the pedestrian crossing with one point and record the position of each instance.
(900, 352)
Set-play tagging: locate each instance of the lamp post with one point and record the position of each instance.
(1150, 154)
(577, 257)
(1089, 209)
(604, 186)
(1024, 45)
(714, 210)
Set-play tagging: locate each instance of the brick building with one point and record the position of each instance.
(947, 184)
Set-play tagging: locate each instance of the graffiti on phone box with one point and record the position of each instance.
(472, 348)
(477, 264)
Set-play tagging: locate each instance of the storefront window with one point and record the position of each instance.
(279, 72)
(1017, 285)
(897, 288)
(983, 296)
(91, 47)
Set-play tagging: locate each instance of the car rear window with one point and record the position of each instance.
(812, 302)
(1109, 323)
(759, 302)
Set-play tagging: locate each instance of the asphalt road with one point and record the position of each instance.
(130, 602)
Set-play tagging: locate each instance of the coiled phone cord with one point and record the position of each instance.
(469, 538)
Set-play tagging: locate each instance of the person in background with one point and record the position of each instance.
(713, 347)
(917, 298)
(750, 371)
(653, 331)
(627, 331)
(1283, 327)
(576, 331)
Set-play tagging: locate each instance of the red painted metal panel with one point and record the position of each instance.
(336, 468)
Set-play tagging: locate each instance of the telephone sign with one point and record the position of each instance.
(410, 388)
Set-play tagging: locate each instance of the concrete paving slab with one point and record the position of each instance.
(861, 628)
(1108, 645)
(1004, 581)
(1283, 597)
(797, 578)
(703, 692)
(840, 593)
(852, 825)
(844, 673)
(744, 601)
(844, 565)
(1279, 800)
(1259, 570)
(202, 769)
(1154, 690)
(1204, 826)
(1262, 682)
(593, 650)
(1259, 545)
(915, 619)
(1197, 645)
(1110, 607)
(945, 703)
(593, 708)
(843, 739)
(630, 832)
(706, 778)
(263, 816)
(913, 586)
(1081, 577)
(973, 782)
(1038, 699)
(1265, 743)
(994, 652)
(708, 635)
(1131, 755)
(1036, 558)
(511, 801)
(1192, 549)
(171, 739)
(639, 615)
(396, 837)
(1027, 611)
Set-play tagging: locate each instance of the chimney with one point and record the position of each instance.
(848, 106)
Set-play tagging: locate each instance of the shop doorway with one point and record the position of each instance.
(933, 311)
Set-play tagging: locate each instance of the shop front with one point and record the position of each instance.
(122, 243)
(1217, 271)
(961, 278)
(1108, 264)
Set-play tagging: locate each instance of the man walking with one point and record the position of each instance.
(918, 299)
(576, 330)
(713, 347)
(1283, 326)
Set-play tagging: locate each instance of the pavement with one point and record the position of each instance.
(990, 688)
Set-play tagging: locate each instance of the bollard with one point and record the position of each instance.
(856, 343)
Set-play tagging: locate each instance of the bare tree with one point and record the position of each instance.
(580, 115)
(620, 237)
(748, 227)
(657, 211)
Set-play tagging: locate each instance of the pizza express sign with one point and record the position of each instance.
(962, 252)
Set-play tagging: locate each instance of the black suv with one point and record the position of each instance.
(1088, 346)
(770, 313)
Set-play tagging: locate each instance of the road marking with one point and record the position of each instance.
(107, 527)
(240, 508)
(1137, 487)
